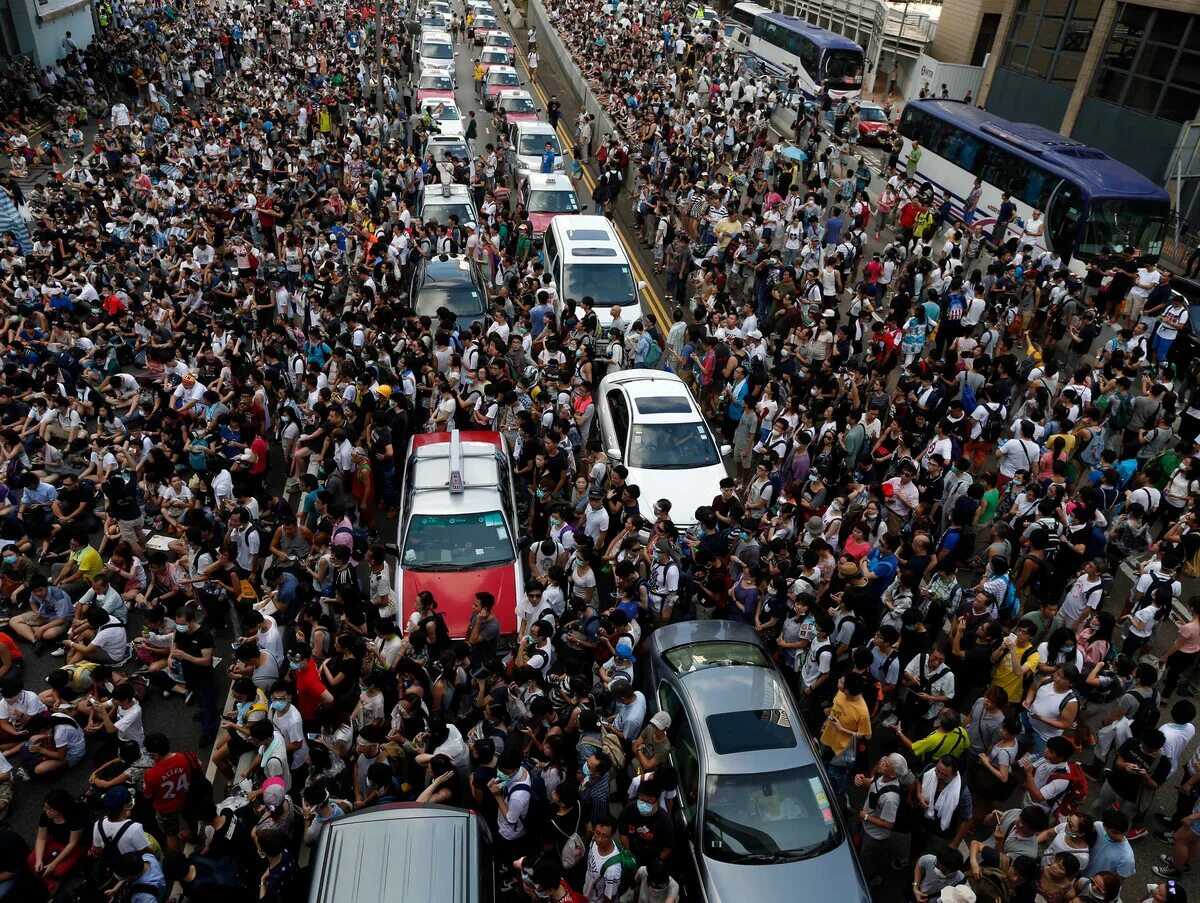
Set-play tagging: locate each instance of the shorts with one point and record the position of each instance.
(129, 528)
(6, 793)
(170, 823)
(74, 759)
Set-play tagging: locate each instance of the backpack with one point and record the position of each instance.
(573, 849)
(993, 426)
(991, 885)
(1122, 411)
(904, 808)
(1146, 715)
(537, 813)
(629, 867)
(860, 634)
(969, 401)
(1034, 584)
(956, 449)
(653, 354)
(1070, 801)
(965, 548)
(1091, 453)
(359, 541)
(1011, 606)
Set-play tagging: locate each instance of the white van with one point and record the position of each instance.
(436, 51)
(527, 142)
(586, 258)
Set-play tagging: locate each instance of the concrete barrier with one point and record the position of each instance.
(549, 43)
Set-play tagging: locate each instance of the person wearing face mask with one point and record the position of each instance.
(369, 751)
(1169, 891)
(645, 827)
(193, 652)
(512, 791)
(546, 882)
(310, 690)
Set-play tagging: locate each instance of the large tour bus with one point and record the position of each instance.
(1089, 200)
(818, 55)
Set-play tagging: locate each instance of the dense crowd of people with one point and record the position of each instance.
(942, 463)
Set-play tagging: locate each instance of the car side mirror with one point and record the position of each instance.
(614, 454)
(726, 451)
(642, 286)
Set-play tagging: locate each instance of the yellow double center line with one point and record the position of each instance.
(657, 307)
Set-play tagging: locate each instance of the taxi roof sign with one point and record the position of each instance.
(456, 463)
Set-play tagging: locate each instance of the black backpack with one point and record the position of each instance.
(1146, 715)
(537, 813)
(904, 810)
(993, 426)
(965, 549)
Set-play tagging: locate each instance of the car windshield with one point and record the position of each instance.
(443, 150)
(552, 202)
(437, 51)
(773, 817)
(1119, 223)
(502, 77)
(872, 114)
(457, 542)
(518, 105)
(608, 283)
(714, 654)
(671, 446)
(458, 294)
(441, 213)
(499, 40)
(535, 145)
(436, 83)
(483, 22)
(443, 111)
(844, 68)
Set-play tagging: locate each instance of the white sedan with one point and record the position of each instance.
(650, 422)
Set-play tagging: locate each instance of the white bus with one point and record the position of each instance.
(818, 56)
(739, 24)
(1089, 201)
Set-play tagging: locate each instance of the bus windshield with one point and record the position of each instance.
(843, 68)
(1118, 223)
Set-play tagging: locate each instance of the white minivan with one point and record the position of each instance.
(527, 142)
(436, 51)
(585, 258)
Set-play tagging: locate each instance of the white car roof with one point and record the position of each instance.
(435, 36)
(543, 181)
(502, 69)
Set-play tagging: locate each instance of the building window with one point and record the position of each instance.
(988, 26)
(1048, 38)
(1147, 65)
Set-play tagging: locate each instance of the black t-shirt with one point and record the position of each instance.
(1130, 786)
(122, 500)
(194, 643)
(76, 819)
(1087, 335)
(648, 835)
(1124, 274)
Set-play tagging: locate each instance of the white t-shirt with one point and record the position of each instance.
(132, 841)
(291, 727)
(128, 723)
(112, 639)
(17, 711)
(598, 887)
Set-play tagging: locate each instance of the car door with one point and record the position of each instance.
(686, 760)
(618, 408)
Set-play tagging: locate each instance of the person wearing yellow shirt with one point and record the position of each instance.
(74, 576)
(847, 721)
(478, 74)
(949, 738)
(727, 227)
(1016, 657)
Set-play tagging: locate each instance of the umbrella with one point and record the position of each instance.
(794, 153)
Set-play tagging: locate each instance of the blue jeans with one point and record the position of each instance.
(1160, 347)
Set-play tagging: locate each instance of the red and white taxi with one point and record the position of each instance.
(517, 105)
(494, 57)
(458, 531)
(545, 196)
(435, 84)
(499, 40)
(497, 79)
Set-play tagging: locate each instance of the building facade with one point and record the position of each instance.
(36, 28)
(1120, 75)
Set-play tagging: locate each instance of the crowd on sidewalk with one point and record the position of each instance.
(211, 374)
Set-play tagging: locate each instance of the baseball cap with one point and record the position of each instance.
(273, 792)
(661, 720)
(116, 799)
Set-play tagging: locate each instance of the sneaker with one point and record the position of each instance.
(1167, 871)
(899, 865)
(1137, 832)
(20, 774)
(59, 652)
(1167, 837)
(40, 647)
